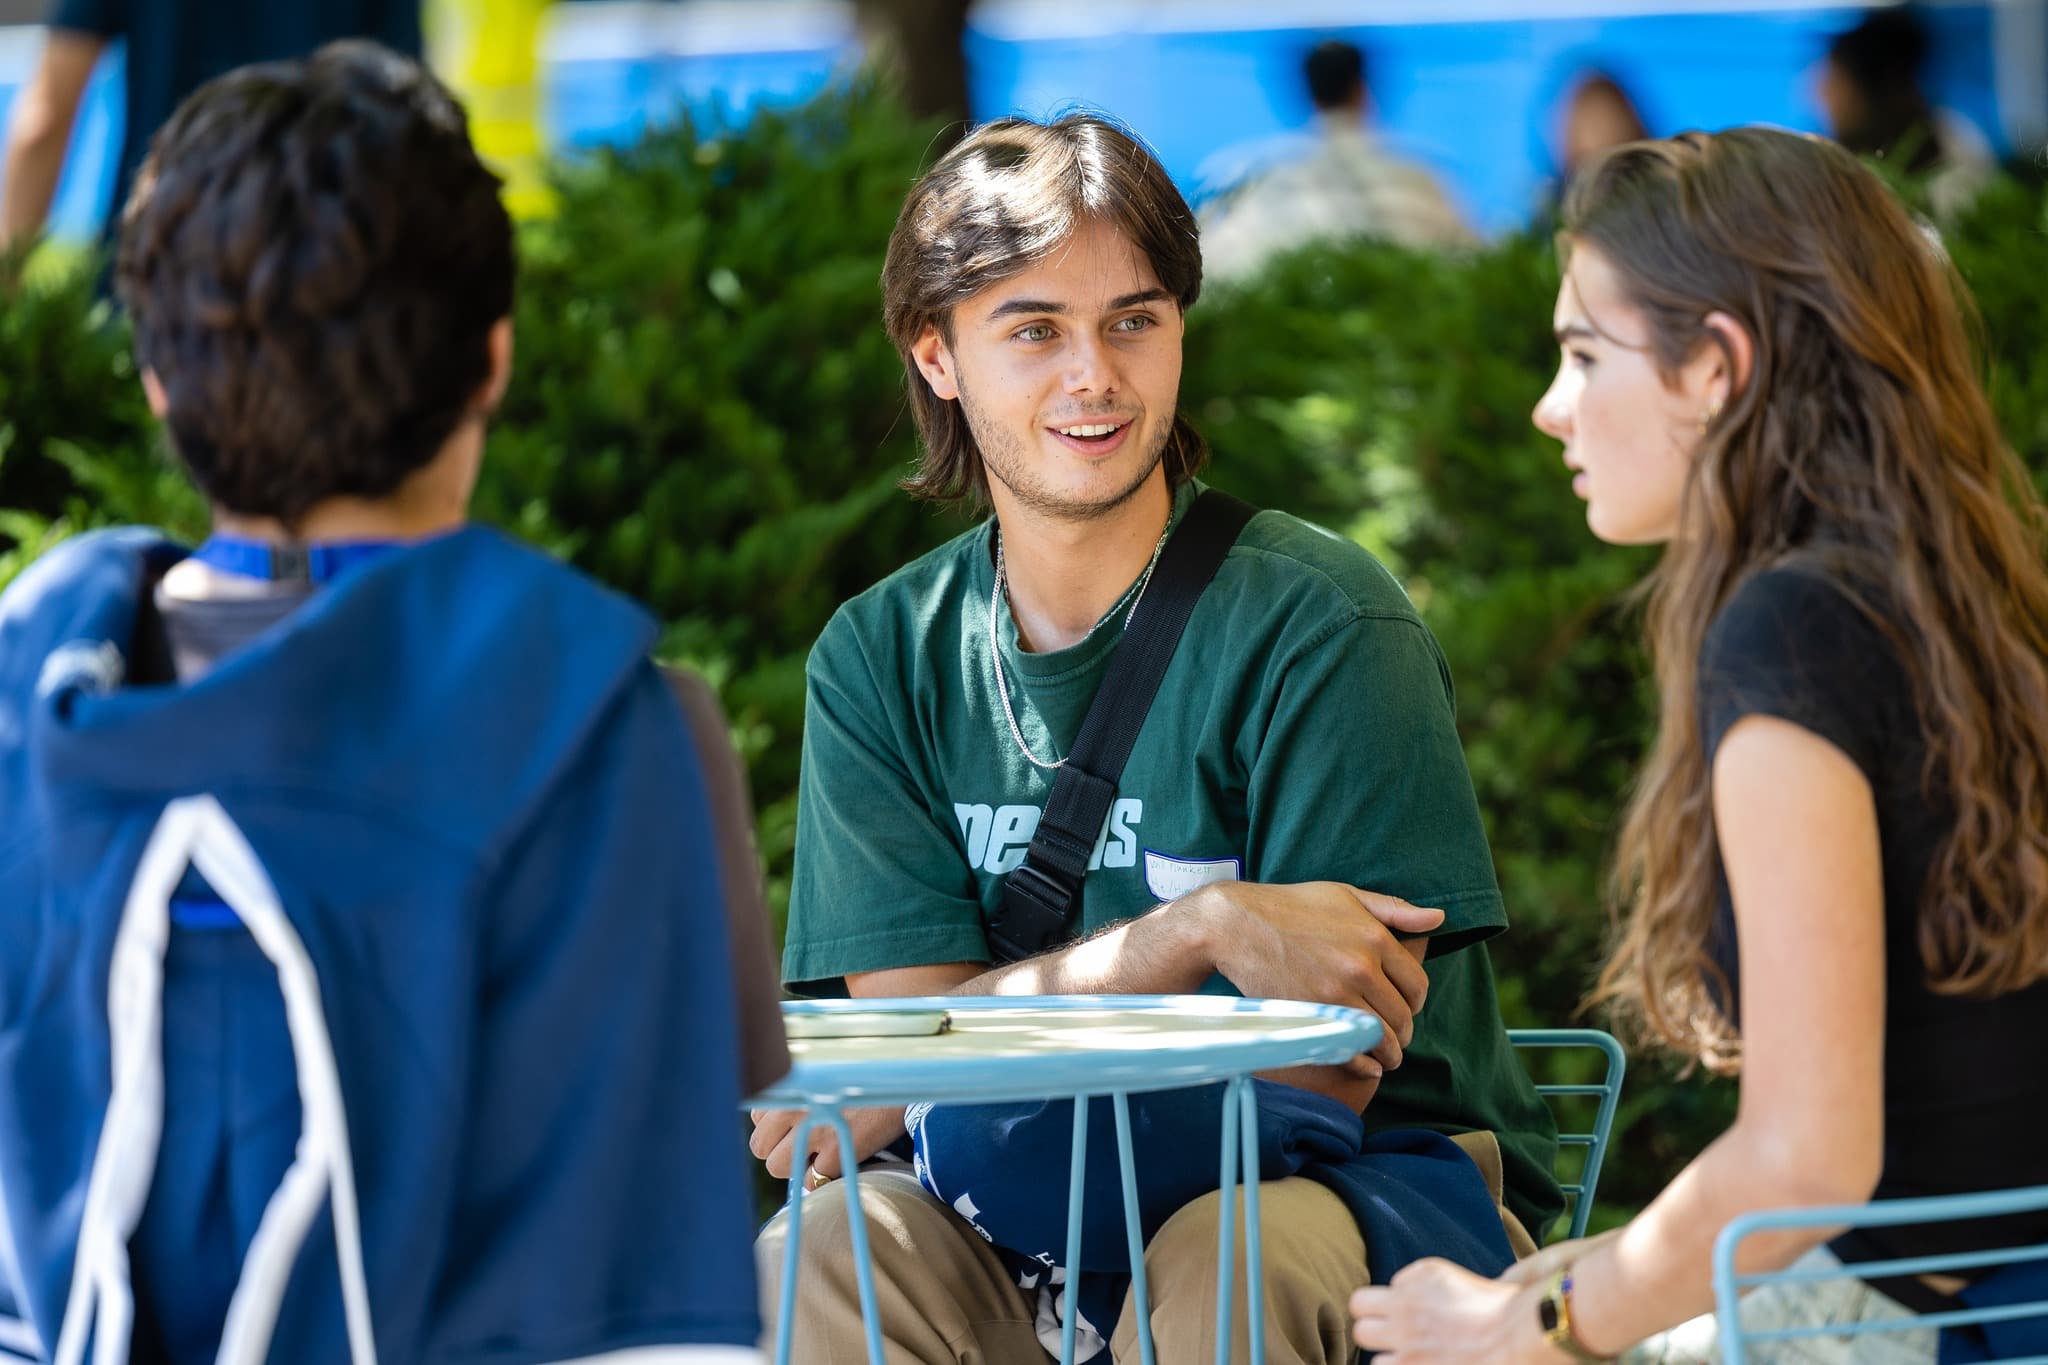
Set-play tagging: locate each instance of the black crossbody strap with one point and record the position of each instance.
(1042, 896)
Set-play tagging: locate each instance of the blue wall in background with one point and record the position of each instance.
(1473, 99)
(593, 102)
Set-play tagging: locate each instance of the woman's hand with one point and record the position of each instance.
(1436, 1313)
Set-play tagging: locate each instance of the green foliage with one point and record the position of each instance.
(75, 434)
(707, 415)
(706, 412)
(1998, 248)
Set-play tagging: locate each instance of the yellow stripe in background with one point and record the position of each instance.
(488, 51)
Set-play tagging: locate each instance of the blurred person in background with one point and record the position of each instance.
(1598, 114)
(1835, 863)
(173, 47)
(1347, 185)
(1870, 93)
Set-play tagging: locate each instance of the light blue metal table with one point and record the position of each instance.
(1001, 1048)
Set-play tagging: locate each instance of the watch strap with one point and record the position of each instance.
(1554, 1316)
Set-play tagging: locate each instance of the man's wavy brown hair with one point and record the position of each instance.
(1862, 441)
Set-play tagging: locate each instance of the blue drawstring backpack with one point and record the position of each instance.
(1004, 1167)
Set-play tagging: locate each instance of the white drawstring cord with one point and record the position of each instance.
(323, 1164)
(129, 1133)
(195, 831)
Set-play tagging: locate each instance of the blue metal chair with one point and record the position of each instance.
(1608, 1091)
(1729, 1284)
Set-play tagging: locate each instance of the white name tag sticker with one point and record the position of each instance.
(1172, 878)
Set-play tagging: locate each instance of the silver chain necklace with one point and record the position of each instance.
(995, 656)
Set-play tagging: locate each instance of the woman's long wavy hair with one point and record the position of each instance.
(1862, 441)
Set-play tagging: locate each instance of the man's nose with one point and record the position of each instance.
(1091, 367)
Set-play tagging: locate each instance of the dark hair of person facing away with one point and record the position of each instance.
(1862, 443)
(1335, 71)
(1882, 57)
(1006, 198)
(314, 258)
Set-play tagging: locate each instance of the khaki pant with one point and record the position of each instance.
(945, 1298)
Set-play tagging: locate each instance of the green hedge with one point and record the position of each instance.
(707, 414)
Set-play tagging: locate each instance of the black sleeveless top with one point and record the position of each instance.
(1965, 1080)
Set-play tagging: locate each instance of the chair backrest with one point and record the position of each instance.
(1593, 1142)
(2021, 1310)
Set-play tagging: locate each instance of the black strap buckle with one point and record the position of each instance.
(291, 563)
(1037, 912)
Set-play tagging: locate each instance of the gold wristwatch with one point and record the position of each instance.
(1554, 1316)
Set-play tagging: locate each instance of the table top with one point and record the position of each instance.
(1042, 1047)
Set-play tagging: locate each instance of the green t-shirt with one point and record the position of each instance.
(1304, 732)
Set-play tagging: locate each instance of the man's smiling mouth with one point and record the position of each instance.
(1090, 430)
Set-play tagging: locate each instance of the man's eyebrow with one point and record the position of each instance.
(1015, 306)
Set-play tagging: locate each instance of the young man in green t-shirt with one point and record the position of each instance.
(1301, 749)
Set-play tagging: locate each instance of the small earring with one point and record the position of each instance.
(1709, 418)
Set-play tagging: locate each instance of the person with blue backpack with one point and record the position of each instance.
(1128, 735)
(384, 959)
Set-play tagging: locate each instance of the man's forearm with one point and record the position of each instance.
(1165, 952)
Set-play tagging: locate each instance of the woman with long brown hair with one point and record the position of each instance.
(1835, 864)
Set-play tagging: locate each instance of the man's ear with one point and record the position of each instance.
(153, 390)
(495, 382)
(934, 360)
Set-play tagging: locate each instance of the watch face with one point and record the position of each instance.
(1546, 1313)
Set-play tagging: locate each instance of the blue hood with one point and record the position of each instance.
(403, 680)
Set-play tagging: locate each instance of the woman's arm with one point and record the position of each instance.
(1798, 834)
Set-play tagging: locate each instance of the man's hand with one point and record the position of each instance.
(873, 1129)
(1321, 941)
(1352, 1084)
